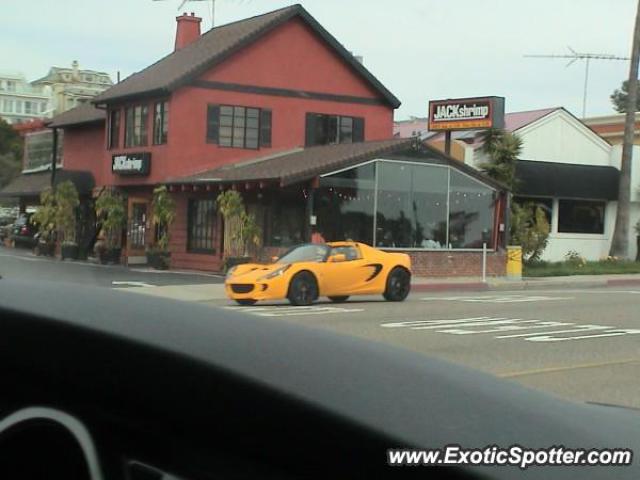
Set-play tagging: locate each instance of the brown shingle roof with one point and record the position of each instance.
(32, 184)
(296, 165)
(85, 113)
(186, 64)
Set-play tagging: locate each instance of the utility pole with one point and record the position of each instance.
(587, 57)
(620, 242)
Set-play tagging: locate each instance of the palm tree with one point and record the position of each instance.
(620, 241)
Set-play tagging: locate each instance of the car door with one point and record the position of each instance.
(346, 277)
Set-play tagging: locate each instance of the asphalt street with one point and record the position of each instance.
(22, 264)
(579, 344)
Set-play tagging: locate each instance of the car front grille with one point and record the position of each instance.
(241, 287)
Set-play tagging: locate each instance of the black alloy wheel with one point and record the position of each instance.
(398, 285)
(303, 289)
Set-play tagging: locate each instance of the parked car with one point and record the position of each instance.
(336, 270)
(24, 232)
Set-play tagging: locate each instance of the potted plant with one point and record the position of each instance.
(240, 229)
(45, 220)
(112, 215)
(67, 202)
(163, 211)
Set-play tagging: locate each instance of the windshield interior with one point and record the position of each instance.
(305, 253)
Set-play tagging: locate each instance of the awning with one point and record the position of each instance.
(32, 184)
(551, 179)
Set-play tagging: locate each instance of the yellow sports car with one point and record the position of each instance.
(336, 270)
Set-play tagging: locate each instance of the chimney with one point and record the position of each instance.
(187, 30)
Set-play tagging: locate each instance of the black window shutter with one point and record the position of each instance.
(358, 129)
(310, 130)
(213, 123)
(265, 128)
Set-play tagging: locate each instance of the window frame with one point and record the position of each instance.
(212, 224)
(113, 139)
(355, 130)
(566, 233)
(130, 134)
(161, 135)
(225, 116)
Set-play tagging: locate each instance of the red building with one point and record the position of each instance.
(275, 107)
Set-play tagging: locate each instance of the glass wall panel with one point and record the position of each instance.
(343, 205)
(471, 211)
(412, 206)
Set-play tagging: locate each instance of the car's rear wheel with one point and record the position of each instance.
(246, 301)
(340, 299)
(398, 285)
(303, 289)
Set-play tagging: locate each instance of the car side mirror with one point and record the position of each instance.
(339, 257)
(274, 259)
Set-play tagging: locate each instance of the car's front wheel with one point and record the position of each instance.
(339, 299)
(303, 289)
(398, 285)
(246, 301)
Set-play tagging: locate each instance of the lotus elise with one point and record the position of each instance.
(336, 270)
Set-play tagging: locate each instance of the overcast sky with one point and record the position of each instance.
(420, 49)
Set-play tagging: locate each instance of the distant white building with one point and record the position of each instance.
(71, 86)
(20, 101)
(62, 89)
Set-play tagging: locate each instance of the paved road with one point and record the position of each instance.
(579, 344)
(21, 263)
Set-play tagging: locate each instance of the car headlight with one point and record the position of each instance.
(276, 273)
(230, 271)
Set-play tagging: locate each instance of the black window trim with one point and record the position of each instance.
(264, 139)
(584, 200)
(111, 145)
(357, 126)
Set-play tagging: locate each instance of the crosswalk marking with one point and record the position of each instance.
(553, 331)
(287, 311)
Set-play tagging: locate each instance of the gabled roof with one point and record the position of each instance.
(218, 44)
(85, 113)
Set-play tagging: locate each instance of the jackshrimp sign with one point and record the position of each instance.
(466, 114)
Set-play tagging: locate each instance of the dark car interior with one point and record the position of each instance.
(120, 386)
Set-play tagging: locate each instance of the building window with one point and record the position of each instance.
(581, 216)
(28, 107)
(160, 122)
(324, 129)
(18, 106)
(8, 106)
(114, 129)
(11, 86)
(43, 107)
(136, 126)
(201, 226)
(283, 220)
(238, 127)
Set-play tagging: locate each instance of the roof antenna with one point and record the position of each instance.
(574, 56)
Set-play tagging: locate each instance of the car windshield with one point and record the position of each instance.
(305, 253)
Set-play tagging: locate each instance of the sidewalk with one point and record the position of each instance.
(215, 291)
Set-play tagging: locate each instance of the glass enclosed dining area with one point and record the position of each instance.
(406, 205)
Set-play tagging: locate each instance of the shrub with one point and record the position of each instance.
(163, 210)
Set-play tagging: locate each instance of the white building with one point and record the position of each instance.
(20, 101)
(569, 170)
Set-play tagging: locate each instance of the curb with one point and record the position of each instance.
(444, 287)
(522, 285)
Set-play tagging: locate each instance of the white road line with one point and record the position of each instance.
(285, 311)
(498, 299)
(130, 284)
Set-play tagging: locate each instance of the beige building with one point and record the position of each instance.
(21, 101)
(71, 86)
